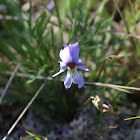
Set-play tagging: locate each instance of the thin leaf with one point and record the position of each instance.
(137, 117)
(53, 43)
(73, 30)
(57, 11)
(33, 135)
(42, 19)
(39, 72)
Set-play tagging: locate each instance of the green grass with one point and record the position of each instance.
(36, 45)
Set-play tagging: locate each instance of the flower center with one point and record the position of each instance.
(71, 65)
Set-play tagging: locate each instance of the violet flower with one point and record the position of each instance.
(51, 5)
(70, 59)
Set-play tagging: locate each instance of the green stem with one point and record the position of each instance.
(133, 14)
(127, 28)
(102, 68)
(57, 11)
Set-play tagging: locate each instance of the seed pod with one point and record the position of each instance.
(102, 105)
(118, 58)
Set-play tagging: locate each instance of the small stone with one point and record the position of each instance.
(137, 134)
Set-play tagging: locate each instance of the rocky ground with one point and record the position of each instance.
(84, 127)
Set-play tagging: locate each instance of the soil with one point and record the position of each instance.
(87, 126)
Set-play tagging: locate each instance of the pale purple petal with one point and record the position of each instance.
(58, 73)
(63, 67)
(77, 78)
(51, 5)
(68, 79)
(81, 65)
(74, 51)
(65, 45)
(70, 53)
(65, 55)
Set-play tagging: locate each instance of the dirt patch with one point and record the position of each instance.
(87, 126)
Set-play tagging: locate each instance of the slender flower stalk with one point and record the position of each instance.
(70, 59)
